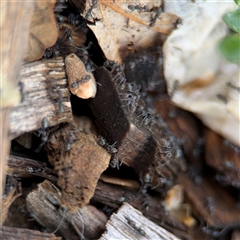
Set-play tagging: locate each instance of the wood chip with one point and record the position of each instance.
(78, 161)
(129, 223)
(45, 204)
(43, 86)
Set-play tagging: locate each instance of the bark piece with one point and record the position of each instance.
(45, 204)
(12, 233)
(129, 223)
(224, 157)
(43, 86)
(25, 167)
(218, 212)
(78, 161)
(106, 107)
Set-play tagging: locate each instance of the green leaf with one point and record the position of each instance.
(237, 2)
(232, 19)
(229, 47)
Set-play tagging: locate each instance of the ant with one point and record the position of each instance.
(139, 8)
(61, 107)
(132, 224)
(82, 80)
(110, 149)
(43, 132)
(89, 14)
(71, 139)
(154, 19)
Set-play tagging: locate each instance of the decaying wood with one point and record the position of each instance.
(11, 233)
(8, 199)
(129, 223)
(45, 204)
(114, 196)
(184, 126)
(78, 161)
(218, 212)
(235, 235)
(225, 158)
(43, 86)
(25, 167)
(14, 34)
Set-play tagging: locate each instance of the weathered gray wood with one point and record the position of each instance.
(44, 203)
(129, 223)
(45, 94)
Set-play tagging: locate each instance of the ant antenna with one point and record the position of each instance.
(61, 221)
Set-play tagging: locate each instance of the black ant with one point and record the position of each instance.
(132, 224)
(138, 7)
(71, 139)
(82, 80)
(43, 132)
(61, 107)
(110, 149)
(154, 19)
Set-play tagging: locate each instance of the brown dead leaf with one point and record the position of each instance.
(43, 30)
(117, 27)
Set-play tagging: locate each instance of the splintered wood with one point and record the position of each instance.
(43, 86)
(129, 223)
(78, 161)
(45, 204)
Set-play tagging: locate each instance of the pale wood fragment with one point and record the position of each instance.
(129, 223)
(43, 85)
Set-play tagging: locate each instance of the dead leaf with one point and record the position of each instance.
(116, 26)
(43, 30)
(198, 79)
